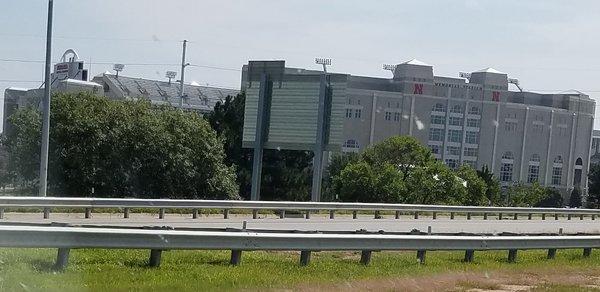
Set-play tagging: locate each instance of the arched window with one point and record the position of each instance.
(533, 174)
(438, 107)
(506, 167)
(557, 171)
(456, 109)
(474, 110)
(578, 171)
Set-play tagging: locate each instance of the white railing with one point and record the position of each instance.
(126, 205)
(66, 238)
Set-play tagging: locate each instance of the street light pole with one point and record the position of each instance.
(46, 105)
(183, 65)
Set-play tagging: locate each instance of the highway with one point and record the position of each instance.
(321, 222)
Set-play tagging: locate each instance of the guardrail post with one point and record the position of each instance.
(46, 213)
(365, 257)
(560, 231)
(587, 252)
(555, 216)
(155, 257)
(304, 257)
(195, 214)
(225, 213)
(568, 216)
(62, 259)
(434, 215)
(331, 214)
(1, 213)
(416, 215)
(512, 255)
(126, 213)
(499, 216)
(529, 216)
(451, 215)
(88, 213)
(593, 217)
(580, 217)
(254, 214)
(516, 216)
(282, 214)
(307, 216)
(485, 216)
(161, 213)
(468, 216)
(543, 216)
(397, 216)
(236, 257)
(469, 255)
(421, 256)
(354, 214)
(377, 215)
(551, 253)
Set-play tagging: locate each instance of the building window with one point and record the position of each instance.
(470, 152)
(436, 134)
(538, 129)
(557, 171)
(452, 163)
(388, 116)
(396, 117)
(438, 120)
(510, 126)
(473, 123)
(533, 174)
(506, 167)
(435, 149)
(438, 107)
(358, 113)
(348, 113)
(351, 143)
(455, 136)
(453, 150)
(457, 109)
(455, 121)
(474, 110)
(471, 137)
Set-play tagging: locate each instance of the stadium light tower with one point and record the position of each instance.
(323, 61)
(465, 75)
(171, 75)
(118, 68)
(183, 65)
(515, 82)
(389, 67)
(46, 103)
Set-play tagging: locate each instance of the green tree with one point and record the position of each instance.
(492, 186)
(553, 199)
(476, 187)
(575, 198)
(336, 165)
(112, 148)
(522, 195)
(593, 198)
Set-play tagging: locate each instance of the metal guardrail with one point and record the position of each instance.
(66, 238)
(161, 204)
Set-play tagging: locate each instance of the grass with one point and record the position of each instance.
(126, 270)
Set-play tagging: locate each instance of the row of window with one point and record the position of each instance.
(438, 107)
(533, 173)
(453, 136)
(455, 163)
(453, 150)
(353, 113)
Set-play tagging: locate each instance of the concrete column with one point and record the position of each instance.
(496, 126)
(523, 141)
(412, 115)
(570, 158)
(373, 119)
(548, 167)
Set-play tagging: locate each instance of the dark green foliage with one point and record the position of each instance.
(553, 199)
(110, 148)
(286, 174)
(336, 165)
(575, 198)
(493, 185)
(593, 198)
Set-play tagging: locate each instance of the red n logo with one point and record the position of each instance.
(418, 89)
(495, 96)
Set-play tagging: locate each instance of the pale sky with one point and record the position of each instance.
(548, 45)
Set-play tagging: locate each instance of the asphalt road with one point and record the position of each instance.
(321, 222)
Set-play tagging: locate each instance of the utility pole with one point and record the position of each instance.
(183, 65)
(46, 105)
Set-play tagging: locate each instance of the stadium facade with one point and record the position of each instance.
(476, 120)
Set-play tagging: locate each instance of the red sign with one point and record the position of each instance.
(495, 96)
(418, 89)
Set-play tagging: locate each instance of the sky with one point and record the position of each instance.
(550, 46)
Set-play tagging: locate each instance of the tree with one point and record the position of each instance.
(476, 187)
(111, 148)
(492, 186)
(336, 165)
(575, 198)
(553, 199)
(405, 152)
(522, 195)
(593, 198)
(286, 174)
